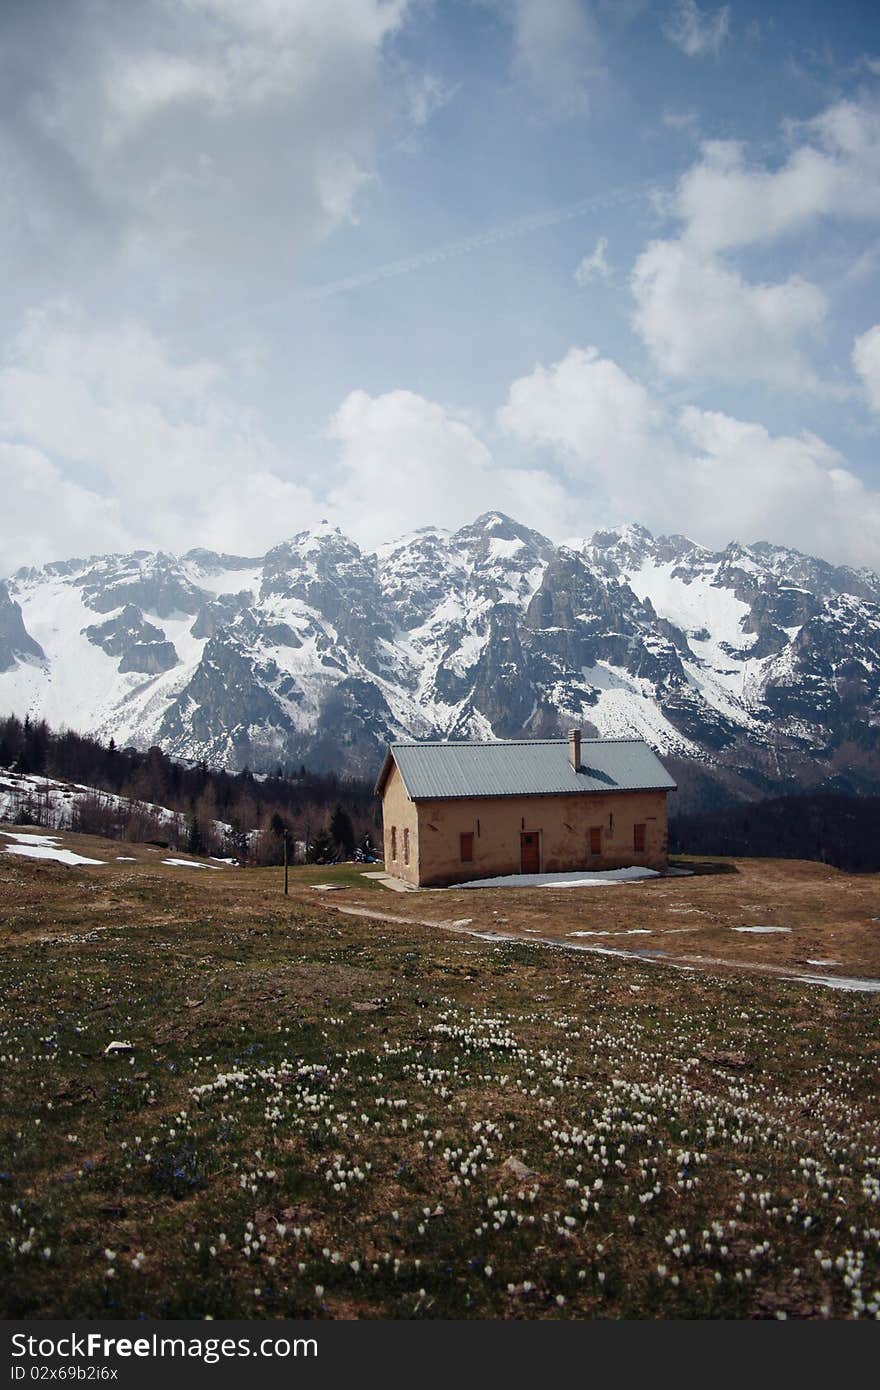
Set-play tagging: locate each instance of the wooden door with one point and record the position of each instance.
(530, 852)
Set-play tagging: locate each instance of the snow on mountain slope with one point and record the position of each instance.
(82, 687)
(750, 657)
(626, 707)
(710, 615)
(713, 619)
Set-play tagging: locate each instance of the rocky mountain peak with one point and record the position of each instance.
(499, 526)
(16, 643)
(755, 660)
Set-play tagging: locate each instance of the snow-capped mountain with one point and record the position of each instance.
(758, 662)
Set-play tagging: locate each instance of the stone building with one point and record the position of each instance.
(458, 811)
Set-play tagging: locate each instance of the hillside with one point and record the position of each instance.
(755, 665)
(70, 781)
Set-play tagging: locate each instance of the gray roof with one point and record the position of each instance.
(533, 767)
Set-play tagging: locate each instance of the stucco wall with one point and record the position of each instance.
(400, 812)
(564, 823)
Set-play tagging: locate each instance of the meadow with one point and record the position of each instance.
(324, 1115)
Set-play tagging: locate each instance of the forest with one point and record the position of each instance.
(144, 795)
(243, 815)
(838, 830)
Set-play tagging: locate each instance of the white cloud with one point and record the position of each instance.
(866, 360)
(744, 482)
(698, 314)
(595, 266)
(407, 461)
(200, 133)
(695, 31)
(181, 462)
(699, 472)
(588, 407)
(556, 52)
(425, 94)
(682, 122)
(833, 172)
(46, 516)
(701, 319)
(108, 441)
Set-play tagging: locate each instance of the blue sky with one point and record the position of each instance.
(395, 262)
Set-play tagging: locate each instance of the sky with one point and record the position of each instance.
(393, 263)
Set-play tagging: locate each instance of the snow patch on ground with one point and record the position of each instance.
(631, 931)
(189, 864)
(569, 880)
(44, 847)
(762, 931)
(852, 986)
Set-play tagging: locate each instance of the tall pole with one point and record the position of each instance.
(285, 862)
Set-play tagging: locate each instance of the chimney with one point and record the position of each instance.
(574, 748)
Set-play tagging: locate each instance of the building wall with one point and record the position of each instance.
(399, 813)
(564, 823)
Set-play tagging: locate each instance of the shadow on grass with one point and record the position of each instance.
(703, 866)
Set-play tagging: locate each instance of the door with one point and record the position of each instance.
(530, 852)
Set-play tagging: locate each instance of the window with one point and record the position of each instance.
(466, 841)
(394, 842)
(639, 839)
(595, 839)
(406, 846)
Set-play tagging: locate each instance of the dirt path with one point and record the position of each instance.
(649, 956)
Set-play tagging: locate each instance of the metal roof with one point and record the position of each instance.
(532, 767)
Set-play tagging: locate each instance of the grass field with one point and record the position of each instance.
(328, 1115)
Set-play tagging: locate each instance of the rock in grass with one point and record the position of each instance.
(519, 1170)
(736, 1060)
(118, 1049)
